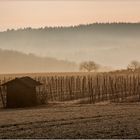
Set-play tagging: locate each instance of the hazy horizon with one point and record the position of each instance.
(19, 14)
(65, 26)
(106, 45)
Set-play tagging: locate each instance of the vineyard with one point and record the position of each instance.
(93, 87)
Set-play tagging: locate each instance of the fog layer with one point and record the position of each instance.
(112, 45)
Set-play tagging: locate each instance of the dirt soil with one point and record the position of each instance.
(72, 121)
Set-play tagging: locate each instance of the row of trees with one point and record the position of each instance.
(92, 66)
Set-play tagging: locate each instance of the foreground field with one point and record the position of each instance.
(72, 121)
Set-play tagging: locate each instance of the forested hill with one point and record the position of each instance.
(106, 43)
(92, 35)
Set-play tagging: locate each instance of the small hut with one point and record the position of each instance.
(21, 92)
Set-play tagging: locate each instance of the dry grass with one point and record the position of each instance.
(72, 121)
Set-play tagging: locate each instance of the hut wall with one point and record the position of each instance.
(19, 95)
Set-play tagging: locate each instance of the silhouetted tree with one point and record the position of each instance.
(134, 65)
(89, 66)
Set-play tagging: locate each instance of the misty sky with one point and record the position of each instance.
(36, 13)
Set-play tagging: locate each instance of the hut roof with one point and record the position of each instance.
(27, 81)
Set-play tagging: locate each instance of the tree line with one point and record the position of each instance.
(91, 66)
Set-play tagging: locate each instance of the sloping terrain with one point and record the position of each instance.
(17, 62)
(106, 44)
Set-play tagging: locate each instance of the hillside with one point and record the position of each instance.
(106, 43)
(17, 62)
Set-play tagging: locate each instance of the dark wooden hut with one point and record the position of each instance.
(21, 92)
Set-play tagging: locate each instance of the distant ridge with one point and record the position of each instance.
(73, 26)
(109, 44)
(17, 62)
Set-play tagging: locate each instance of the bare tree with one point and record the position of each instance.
(134, 65)
(89, 66)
